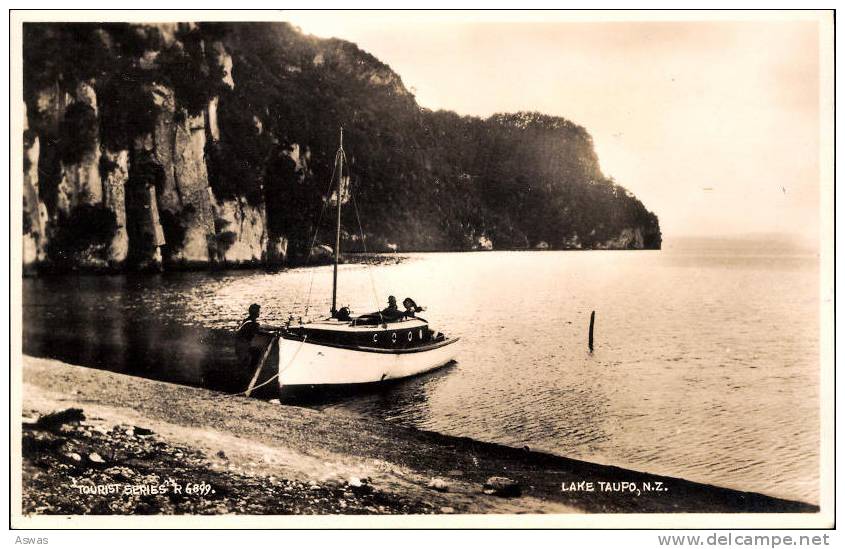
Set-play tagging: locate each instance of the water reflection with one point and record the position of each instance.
(705, 364)
(115, 323)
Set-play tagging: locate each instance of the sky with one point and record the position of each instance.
(714, 125)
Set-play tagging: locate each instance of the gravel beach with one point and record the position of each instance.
(137, 446)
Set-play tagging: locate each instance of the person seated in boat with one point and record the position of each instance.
(343, 314)
(411, 308)
(392, 311)
(248, 349)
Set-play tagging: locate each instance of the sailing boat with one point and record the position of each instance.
(344, 351)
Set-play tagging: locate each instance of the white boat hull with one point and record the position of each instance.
(306, 364)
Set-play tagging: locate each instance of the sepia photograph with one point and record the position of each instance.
(422, 269)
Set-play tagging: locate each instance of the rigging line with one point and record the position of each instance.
(317, 230)
(314, 239)
(364, 244)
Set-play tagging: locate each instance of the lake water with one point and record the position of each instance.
(706, 361)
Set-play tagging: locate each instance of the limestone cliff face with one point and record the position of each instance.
(241, 233)
(143, 227)
(158, 208)
(176, 147)
(199, 145)
(191, 177)
(80, 180)
(239, 227)
(631, 238)
(223, 61)
(34, 212)
(115, 175)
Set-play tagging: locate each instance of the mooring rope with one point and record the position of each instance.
(281, 370)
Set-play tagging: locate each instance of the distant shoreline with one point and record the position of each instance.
(749, 248)
(262, 439)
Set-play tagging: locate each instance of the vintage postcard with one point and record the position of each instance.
(355, 269)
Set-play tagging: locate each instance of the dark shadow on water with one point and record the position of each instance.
(126, 324)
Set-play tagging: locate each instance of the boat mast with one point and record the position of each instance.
(340, 156)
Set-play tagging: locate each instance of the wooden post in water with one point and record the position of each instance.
(592, 322)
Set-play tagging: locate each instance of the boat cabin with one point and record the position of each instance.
(367, 332)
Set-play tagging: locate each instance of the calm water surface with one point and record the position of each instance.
(705, 365)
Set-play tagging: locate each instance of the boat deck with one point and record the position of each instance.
(406, 334)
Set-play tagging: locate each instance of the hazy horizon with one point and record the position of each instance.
(714, 125)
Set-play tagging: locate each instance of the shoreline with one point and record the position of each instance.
(387, 257)
(352, 258)
(407, 470)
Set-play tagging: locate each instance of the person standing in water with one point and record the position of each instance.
(248, 350)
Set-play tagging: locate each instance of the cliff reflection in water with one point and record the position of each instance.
(126, 324)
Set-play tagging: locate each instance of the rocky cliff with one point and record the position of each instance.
(198, 145)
